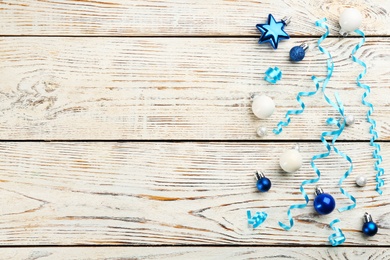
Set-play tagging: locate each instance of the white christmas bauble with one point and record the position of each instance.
(350, 20)
(261, 131)
(291, 160)
(263, 106)
(349, 120)
(361, 181)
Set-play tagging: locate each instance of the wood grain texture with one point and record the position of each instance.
(177, 88)
(175, 17)
(207, 253)
(175, 194)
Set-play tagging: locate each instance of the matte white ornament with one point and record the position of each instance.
(350, 20)
(291, 160)
(361, 181)
(263, 106)
(261, 131)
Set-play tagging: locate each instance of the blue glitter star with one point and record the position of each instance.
(272, 31)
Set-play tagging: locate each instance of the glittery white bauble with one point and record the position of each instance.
(261, 131)
(361, 181)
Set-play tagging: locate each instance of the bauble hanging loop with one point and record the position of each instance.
(370, 228)
(297, 53)
(350, 20)
(263, 184)
(324, 203)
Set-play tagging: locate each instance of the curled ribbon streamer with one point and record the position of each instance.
(279, 128)
(257, 219)
(337, 238)
(341, 125)
(281, 124)
(311, 181)
(340, 108)
(374, 134)
(320, 23)
(334, 134)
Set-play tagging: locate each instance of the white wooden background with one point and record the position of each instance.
(126, 130)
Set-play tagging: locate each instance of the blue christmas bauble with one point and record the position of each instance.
(263, 184)
(297, 53)
(370, 228)
(324, 203)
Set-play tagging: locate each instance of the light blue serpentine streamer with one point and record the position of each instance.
(279, 128)
(341, 125)
(374, 134)
(305, 182)
(317, 81)
(335, 134)
(337, 238)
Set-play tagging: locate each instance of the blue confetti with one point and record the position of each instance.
(257, 219)
(273, 75)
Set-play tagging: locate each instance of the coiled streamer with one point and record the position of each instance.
(257, 219)
(337, 238)
(281, 124)
(331, 121)
(334, 134)
(374, 134)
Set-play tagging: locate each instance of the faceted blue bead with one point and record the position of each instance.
(324, 203)
(370, 228)
(263, 184)
(297, 53)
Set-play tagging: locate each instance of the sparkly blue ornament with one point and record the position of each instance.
(273, 31)
(324, 203)
(263, 184)
(369, 226)
(297, 53)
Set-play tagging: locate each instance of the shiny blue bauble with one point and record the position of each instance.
(263, 184)
(370, 228)
(297, 53)
(324, 203)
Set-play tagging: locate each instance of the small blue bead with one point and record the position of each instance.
(263, 184)
(297, 53)
(324, 203)
(370, 228)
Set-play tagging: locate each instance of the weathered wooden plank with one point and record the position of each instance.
(175, 193)
(181, 88)
(347, 253)
(175, 17)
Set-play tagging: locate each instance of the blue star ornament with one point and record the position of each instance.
(272, 31)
